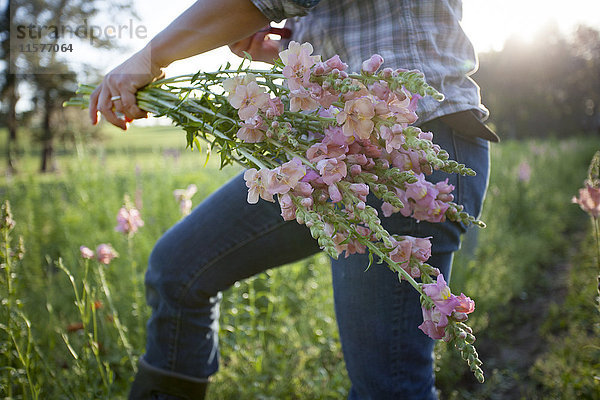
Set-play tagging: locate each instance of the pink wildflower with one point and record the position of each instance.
(589, 200)
(184, 198)
(257, 183)
(105, 253)
(86, 252)
(129, 220)
(524, 172)
(356, 118)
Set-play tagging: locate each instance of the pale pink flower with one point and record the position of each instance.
(393, 136)
(361, 190)
(248, 99)
(332, 170)
(86, 252)
(105, 253)
(231, 84)
(297, 61)
(184, 198)
(257, 183)
(288, 209)
(589, 200)
(334, 193)
(440, 293)
(129, 220)
(356, 118)
(434, 323)
(286, 177)
(301, 100)
(466, 305)
(420, 247)
(252, 130)
(274, 108)
(524, 172)
(371, 65)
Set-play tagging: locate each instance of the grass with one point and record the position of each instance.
(61, 336)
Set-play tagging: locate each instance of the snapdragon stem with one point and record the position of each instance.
(290, 152)
(392, 264)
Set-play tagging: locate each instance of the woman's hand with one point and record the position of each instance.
(117, 91)
(259, 46)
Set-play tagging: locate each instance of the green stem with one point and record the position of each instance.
(118, 325)
(597, 235)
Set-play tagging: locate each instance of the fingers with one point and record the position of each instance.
(128, 106)
(94, 105)
(238, 48)
(105, 106)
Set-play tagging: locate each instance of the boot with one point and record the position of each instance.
(153, 383)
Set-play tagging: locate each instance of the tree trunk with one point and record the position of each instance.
(11, 121)
(47, 164)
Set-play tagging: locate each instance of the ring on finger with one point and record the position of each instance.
(115, 98)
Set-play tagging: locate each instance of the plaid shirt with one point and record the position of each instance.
(412, 34)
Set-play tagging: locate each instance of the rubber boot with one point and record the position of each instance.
(153, 383)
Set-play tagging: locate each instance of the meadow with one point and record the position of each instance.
(73, 329)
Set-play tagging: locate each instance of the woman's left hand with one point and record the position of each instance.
(259, 46)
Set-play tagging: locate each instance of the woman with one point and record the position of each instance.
(225, 239)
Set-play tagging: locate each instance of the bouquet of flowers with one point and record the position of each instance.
(319, 139)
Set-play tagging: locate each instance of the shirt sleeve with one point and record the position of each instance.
(278, 10)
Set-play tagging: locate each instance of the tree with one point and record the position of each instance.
(8, 88)
(51, 25)
(548, 87)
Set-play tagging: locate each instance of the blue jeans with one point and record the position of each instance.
(225, 240)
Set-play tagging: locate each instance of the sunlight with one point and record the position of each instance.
(490, 23)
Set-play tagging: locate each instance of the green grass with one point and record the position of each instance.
(278, 330)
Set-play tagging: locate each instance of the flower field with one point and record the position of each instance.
(73, 327)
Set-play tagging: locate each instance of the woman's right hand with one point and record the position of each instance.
(124, 81)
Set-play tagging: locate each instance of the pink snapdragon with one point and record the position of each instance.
(248, 99)
(105, 253)
(371, 65)
(253, 130)
(301, 100)
(257, 183)
(465, 305)
(440, 294)
(332, 170)
(129, 220)
(434, 323)
(357, 118)
(589, 200)
(285, 178)
(298, 61)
